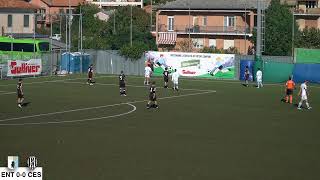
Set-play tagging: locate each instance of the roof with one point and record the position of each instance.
(210, 4)
(16, 4)
(63, 3)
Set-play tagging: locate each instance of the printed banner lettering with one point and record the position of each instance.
(202, 65)
(24, 68)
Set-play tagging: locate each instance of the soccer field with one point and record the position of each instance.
(208, 130)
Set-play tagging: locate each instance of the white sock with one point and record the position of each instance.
(300, 103)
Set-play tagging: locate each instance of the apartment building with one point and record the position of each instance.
(113, 3)
(222, 24)
(307, 13)
(47, 7)
(16, 17)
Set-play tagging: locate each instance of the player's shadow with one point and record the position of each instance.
(25, 104)
(244, 85)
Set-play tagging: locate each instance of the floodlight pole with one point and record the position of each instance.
(189, 29)
(131, 25)
(258, 45)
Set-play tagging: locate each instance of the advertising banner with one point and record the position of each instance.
(24, 68)
(201, 65)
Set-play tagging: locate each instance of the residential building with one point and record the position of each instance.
(111, 3)
(222, 24)
(51, 7)
(307, 13)
(17, 17)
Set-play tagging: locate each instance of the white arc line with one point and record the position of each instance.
(97, 107)
(134, 108)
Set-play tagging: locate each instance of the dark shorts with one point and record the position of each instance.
(166, 79)
(20, 95)
(247, 77)
(152, 97)
(122, 84)
(289, 91)
(90, 75)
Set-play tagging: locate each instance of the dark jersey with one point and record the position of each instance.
(19, 88)
(152, 89)
(166, 73)
(122, 78)
(90, 70)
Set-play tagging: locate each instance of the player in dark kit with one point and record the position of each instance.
(246, 76)
(90, 75)
(166, 77)
(122, 84)
(20, 93)
(152, 96)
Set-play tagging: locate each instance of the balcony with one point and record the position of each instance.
(108, 3)
(209, 30)
(308, 12)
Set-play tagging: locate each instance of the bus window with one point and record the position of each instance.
(23, 47)
(5, 46)
(44, 46)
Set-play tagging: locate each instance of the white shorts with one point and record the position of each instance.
(175, 82)
(304, 98)
(147, 76)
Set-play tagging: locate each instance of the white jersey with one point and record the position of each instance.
(147, 71)
(303, 90)
(259, 75)
(175, 77)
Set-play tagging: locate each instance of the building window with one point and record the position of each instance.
(229, 21)
(212, 43)
(311, 4)
(9, 20)
(195, 21)
(198, 43)
(26, 21)
(204, 20)
(228, 44)
(170, 23)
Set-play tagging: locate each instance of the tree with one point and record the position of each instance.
(278, 33)
(308, 38)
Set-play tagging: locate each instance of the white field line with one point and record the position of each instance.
(104, 84)
(134, 108)
(5, 93)
(98, 107)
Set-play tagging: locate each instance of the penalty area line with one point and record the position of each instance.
(89, 108)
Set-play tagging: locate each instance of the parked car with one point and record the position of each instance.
(56, 37)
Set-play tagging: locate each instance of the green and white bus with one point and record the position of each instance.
(21, 49)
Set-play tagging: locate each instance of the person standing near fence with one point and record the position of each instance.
(122, 84)
(259, 78)
(20, 93)
(290, 86)
(303, 93)
(147, 74)
(90, 75)
(246, 76)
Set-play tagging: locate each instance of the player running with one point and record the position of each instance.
(246, 76)
(90, 75)
(20, 93)
(175, 80)
(122, 84)
(259, 78)
(152, 96)
(166, 77)
(290, 86)
(147, 74)
(303, 93)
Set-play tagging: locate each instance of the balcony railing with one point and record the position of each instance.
(185, 29)
(117, 2)
(311, 11)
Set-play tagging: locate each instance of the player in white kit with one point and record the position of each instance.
(147, 74)
(259, 78)
(175, 80)
(303, 93)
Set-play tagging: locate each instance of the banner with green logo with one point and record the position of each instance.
(202, 65)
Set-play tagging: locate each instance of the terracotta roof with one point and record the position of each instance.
(16, 4)
(63, 3)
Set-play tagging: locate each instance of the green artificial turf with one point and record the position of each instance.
(215, 130)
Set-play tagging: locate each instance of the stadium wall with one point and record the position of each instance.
(310, 72)
(307, 55)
